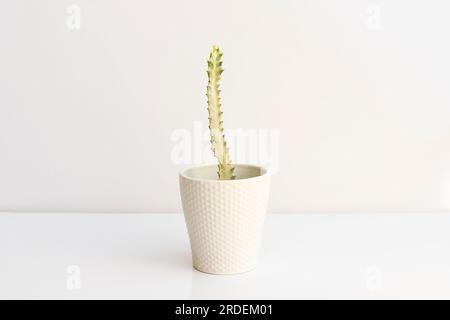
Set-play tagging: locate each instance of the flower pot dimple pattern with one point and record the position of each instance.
(225, 222)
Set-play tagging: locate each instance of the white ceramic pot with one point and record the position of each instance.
(225, 218)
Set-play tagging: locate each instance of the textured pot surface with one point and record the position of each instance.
(225, 218)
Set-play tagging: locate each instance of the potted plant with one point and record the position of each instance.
(224, 205)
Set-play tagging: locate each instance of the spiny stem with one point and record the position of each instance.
(218, 143)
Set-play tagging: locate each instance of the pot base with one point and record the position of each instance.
(224, 273)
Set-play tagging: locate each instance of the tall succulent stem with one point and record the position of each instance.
(218, 143)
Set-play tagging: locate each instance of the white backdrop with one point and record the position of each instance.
(95, 94)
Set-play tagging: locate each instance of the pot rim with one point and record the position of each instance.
(263, 173)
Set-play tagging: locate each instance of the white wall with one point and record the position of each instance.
(358, 92)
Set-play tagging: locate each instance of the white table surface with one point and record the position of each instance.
(147, 256)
